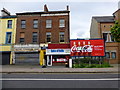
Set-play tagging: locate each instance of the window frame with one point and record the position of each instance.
(49, 23)
(108, 54)
(6, 42)
(112, 54)
(61, 33)
(23, 25)
(61, 23)
(34, 37)
(9, 25)
(48, 34)
(34, 23)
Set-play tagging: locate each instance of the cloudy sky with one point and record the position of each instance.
(81, 11)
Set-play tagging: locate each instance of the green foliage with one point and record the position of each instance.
(115, 31)
(89, 63)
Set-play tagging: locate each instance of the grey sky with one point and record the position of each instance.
(80, 12)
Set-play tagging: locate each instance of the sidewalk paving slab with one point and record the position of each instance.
(58, 69)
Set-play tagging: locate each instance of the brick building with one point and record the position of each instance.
(35, 30)
(100, 28)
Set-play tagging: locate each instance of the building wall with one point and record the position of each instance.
(29, 28)
(94, 29)
(3, 30)
(117, 15)
(42, 28)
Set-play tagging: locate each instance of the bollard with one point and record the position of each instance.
(70, 63)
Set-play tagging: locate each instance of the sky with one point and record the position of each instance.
(81, 11)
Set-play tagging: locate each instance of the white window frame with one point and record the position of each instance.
(49, 23)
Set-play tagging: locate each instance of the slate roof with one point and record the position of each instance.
(104, 18)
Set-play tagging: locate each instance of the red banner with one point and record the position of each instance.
(87, 47)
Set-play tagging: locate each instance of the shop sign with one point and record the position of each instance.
(87, 47)
(57, 51)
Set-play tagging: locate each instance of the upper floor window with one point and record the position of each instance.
(23, 24)
(62, 36)
(105, 36)
(48, 37)
(22, 37)
(9, 25)
(34, 39)
(61, 23)
(8, 37)
(112, 38)
(48, 23)
(35, 23)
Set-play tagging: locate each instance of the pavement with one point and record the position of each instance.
(55, 69)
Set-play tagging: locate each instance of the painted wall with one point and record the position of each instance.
(3, 30)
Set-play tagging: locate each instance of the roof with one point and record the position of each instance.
(104, 18)
(49, 12)
(12, 16)
(116, 11)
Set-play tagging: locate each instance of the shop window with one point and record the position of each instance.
(35, 23)
(23, 24)
(48, 23)
(8, 37)
(22, 36)
(107, 54)
(61, 23)
(62, 36)
(105, 36)
(34, 39)
(48, 37)
(9, 24)
(113, 55)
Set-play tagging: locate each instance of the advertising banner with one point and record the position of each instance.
(87, 47)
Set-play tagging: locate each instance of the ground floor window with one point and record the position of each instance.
(107, 54)
(113, 55)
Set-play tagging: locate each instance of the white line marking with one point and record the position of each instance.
(35, 79)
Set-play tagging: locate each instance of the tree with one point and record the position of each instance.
(115, 31)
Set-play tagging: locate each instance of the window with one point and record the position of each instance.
(35, 23)
(9, 24)
(113, 55)
(112, 38)
(61, 36)
(22, 36)
(48, 37)
(8, 37)
(105, 37)
(23, 24)
(110, 25)
(48, 23)
(34, 39)
(61, 23)
(107, 54)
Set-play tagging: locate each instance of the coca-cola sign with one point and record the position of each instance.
(87, 47)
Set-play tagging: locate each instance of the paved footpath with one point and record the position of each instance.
(55, 69)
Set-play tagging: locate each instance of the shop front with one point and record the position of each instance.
(57, 55)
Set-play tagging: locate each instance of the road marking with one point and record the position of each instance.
(35, 79)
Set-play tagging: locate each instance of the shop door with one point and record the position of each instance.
(26, 58)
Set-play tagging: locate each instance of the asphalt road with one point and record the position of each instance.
(59, 80)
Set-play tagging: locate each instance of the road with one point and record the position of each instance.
(59, 80)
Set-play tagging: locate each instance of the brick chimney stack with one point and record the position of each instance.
(67, 8)
(45, 8)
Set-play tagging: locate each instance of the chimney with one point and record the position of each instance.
(45, 8)
(4, 12)
(67, 8)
